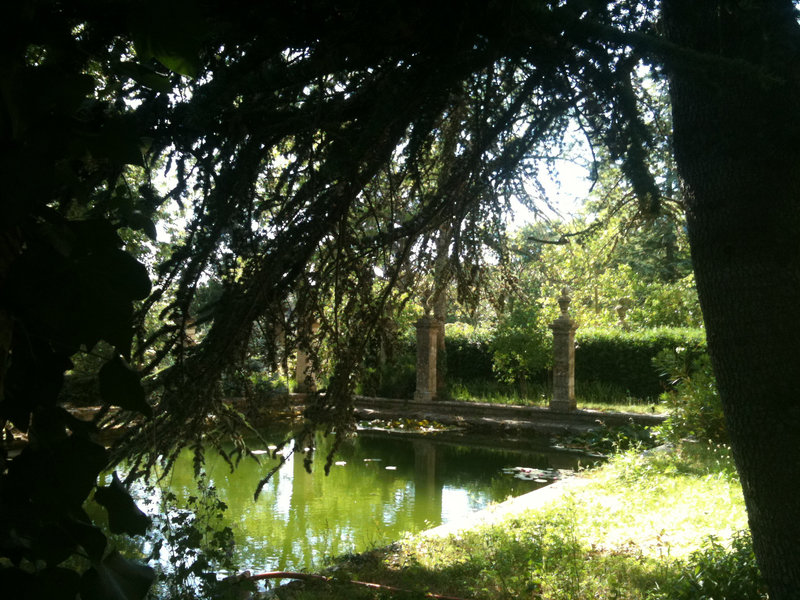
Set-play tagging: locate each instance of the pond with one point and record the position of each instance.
(381, 487)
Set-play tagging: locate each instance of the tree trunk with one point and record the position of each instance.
(441, 278)
(737, 144)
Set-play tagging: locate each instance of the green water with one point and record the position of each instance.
(383, 487)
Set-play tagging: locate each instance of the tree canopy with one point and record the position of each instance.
(309, 143)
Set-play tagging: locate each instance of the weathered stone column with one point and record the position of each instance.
(563, 327)
(304, 372)
(441, 361)
(427, 341)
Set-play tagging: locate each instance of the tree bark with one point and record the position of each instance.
(737, 145)
(441, 279)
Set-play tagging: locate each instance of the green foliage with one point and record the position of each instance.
(119, 386)
(468, 358)
(495, 392)
(115, 578)
(612, 365)
(123, 514)
(617, 253)
(694, 404)
(521, 345)
(192, 534)
(264, 384)
(716, 571)
(393, 381)
(625, 358)
(609, 440)
(68, 285)
(307, 161)
(395, 377)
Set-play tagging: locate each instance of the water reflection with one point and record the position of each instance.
(380, 488)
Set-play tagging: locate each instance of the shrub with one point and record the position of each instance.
(521, 348)
(189, 544)
(395, 380)
(695, 408)
(717, 572)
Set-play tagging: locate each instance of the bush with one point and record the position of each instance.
(189, 545)
(695, 408)
(716, 572)
(625, 358)
(521, 348)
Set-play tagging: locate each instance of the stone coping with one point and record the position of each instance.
(500, 416)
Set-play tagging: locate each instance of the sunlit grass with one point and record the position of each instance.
(663, 502)
(638, 530)
(593, 396)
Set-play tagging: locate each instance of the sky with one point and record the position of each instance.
(566, 193)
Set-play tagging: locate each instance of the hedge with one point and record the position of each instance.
(622, 359)
(469, 355)
(625, 358)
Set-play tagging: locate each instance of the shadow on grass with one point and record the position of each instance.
(516, 560)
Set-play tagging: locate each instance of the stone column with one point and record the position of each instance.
(441, 360)
(427, 340)
(563, 327)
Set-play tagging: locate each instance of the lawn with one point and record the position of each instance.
(592, 396)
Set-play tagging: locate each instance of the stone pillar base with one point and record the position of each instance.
(423, 396)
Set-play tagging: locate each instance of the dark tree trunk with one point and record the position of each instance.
(737, 143)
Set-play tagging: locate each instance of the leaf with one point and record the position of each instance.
(88, 536)
(178, 54)
(145, 75)
(116, 579)
(57, 582)
(120, 386)
(184, 65)
(60, 476)
(123, 514)
(117, 141)
(138, 220)
(126, 275)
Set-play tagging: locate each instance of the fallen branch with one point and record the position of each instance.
(310, 577)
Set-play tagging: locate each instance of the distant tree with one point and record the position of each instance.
(616, 257)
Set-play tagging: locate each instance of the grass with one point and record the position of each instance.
(645, 527)
(593, 395)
